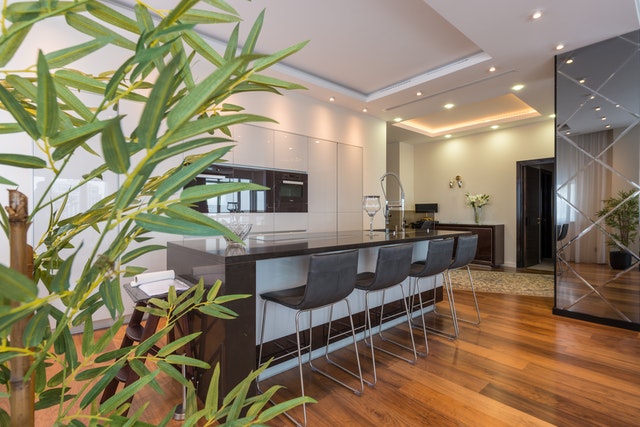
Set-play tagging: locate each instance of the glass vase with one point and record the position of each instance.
(477, 212)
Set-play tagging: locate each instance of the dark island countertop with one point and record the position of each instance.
(269, 246)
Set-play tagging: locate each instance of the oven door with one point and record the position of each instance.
(290, 192)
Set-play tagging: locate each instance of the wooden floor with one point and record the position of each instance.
(521, 367)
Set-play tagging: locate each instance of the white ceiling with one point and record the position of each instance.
(377, 54)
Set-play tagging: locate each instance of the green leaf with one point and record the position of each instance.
(47, 102)
(110, 16)
(171, 371)
(94, 29)
(24, 119)
(95, 391)
(122, 396)
(16, 286)
(52, 397)
(199, 97)
(22, 161)
(91, 373)
(176, 359)
(164, 224)
(10, 128)
(218, 311)
(4, 181)
(198, 127)
(208, 17)
(63, 57)
(176, 344)
(73, 102)
(154, 109)
(36, 328)
(10, 45)
(60, 282)
(114, 147)
(87, 337)
(84, 82)
(203, 192)
(112, 297)
(185, 175)
(131, 255)
(211, 401)
(203, 48)
(270, 60)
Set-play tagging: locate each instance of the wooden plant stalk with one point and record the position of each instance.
(21, 254)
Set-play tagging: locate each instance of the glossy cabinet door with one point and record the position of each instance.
(323, 185)
(350, 215)
(254, 146)
(290, 151)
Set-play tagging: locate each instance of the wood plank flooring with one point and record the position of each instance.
(522, 366)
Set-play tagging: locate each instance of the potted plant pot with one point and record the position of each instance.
(620, 260)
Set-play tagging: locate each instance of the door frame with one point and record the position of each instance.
(520, 194)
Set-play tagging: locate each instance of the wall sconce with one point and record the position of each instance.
(454, 181)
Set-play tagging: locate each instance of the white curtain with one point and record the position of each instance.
(583, 182)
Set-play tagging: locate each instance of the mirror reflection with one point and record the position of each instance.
(597, 182)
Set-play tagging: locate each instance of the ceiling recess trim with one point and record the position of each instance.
(433, 74)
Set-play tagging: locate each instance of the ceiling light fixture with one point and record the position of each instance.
(603, 118)
(569, 61)
(582, 80)
(559, 46)
(448, 136)
(449, 106)
(517, 87)
(494, 127)
(536, 15)
(397, 119)
(332, 99)
(492, 69)
(364, 110)
(418, 93)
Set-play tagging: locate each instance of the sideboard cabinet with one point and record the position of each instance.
(490, 241)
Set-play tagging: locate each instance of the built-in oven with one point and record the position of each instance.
(289, 191)
(239, 201)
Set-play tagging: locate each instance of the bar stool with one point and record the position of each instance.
(465, 253)
(437, 261)
(331, 278)
(392, 268)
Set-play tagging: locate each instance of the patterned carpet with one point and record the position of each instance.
(505, 282)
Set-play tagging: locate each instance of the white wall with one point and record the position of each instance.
(487, 164)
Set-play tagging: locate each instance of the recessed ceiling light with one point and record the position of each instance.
(603, 118)
(597, 108)
(397, 119)
(517, 87)
(536, 15)
(418, 93)
(608, 126)
(332, 99)
(448, 136)
(449, 106)
(492, 69)
(567, 132)
(494, 127)
(552, 116)
(364, 110)
(569, 61)
(559, 46)
(582, 80)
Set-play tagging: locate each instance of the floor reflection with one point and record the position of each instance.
(599, 290)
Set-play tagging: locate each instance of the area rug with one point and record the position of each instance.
(504, 282)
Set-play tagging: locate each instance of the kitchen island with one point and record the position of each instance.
(265, 263)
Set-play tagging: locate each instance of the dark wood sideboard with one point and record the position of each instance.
(490, 241)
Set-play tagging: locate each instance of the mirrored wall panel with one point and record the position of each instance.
(597, 182)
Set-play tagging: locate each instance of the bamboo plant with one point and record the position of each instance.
(42, 297)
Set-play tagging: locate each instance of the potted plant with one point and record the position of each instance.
(621, 214)
(57, 285)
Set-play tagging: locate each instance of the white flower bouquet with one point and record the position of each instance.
(477, 200)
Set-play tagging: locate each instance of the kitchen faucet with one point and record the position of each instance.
(392, 204)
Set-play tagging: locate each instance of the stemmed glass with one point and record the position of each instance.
(371, 205)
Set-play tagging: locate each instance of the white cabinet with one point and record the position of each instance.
(349, 179)
(323, 177)
(254, 146)
(290, 151)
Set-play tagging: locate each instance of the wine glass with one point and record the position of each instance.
(371, 205)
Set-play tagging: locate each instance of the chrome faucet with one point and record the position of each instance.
(392, 204)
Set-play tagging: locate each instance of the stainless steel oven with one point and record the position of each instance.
(289, 191)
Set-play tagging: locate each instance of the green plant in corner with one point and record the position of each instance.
(621, 214)
(68, 114)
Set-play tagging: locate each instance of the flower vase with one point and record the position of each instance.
(476, 214)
